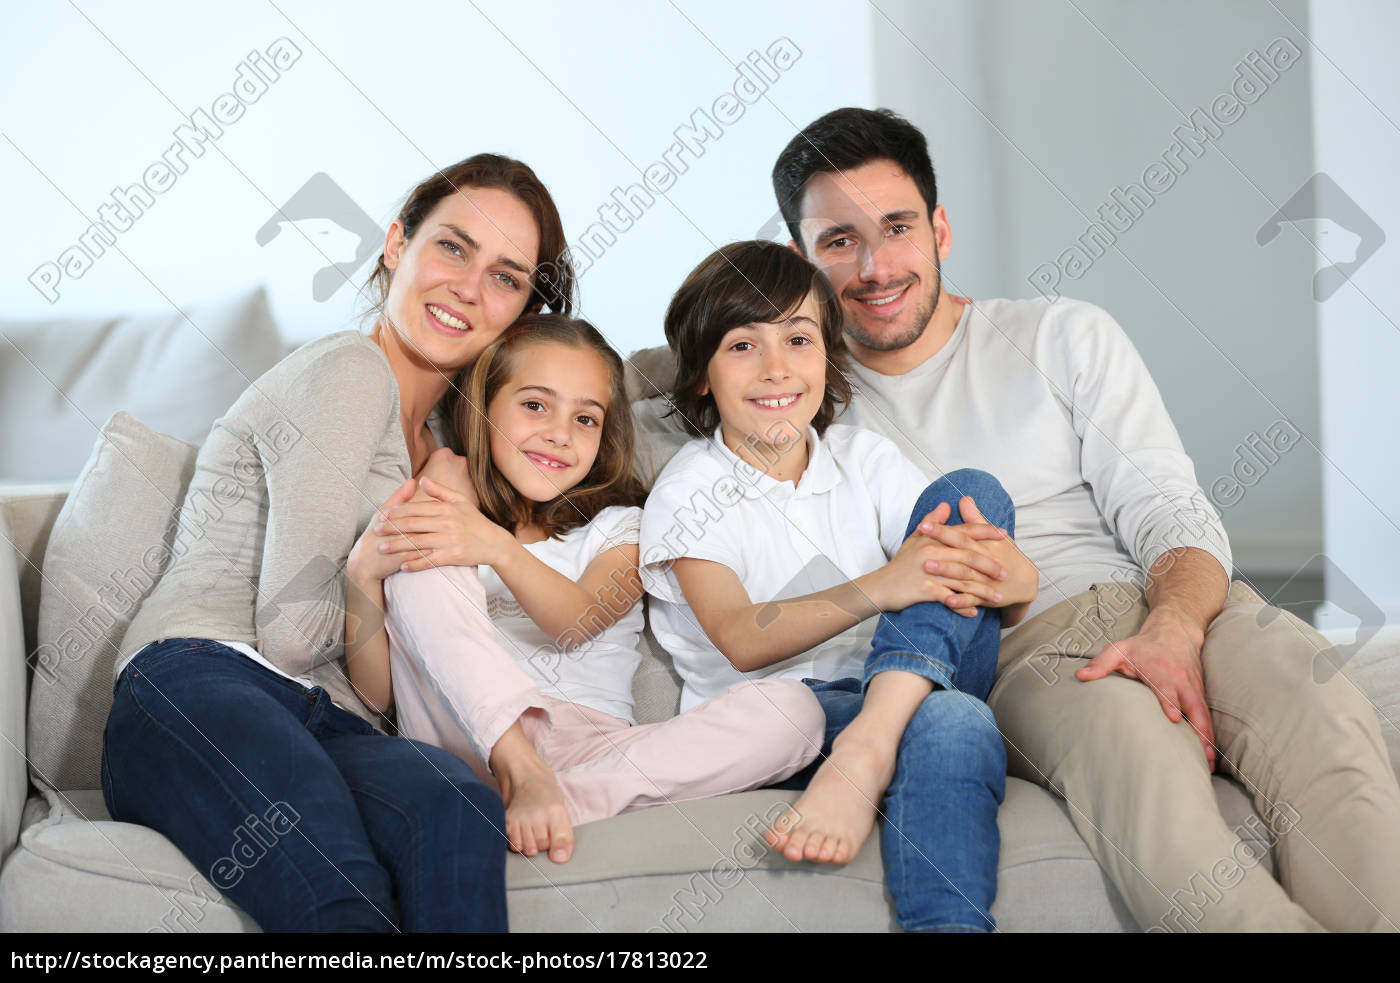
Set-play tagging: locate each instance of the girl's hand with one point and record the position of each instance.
(446, 530)
(367, 565)
(1019, 581)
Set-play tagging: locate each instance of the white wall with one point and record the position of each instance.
(1034, 116)
(381, 96)
(1036, 113)
(1356, 106)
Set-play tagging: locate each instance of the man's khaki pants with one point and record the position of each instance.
(1294, 730)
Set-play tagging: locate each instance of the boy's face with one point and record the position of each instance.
(869, 230)
(768, 380)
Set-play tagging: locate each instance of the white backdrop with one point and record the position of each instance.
(381, 96)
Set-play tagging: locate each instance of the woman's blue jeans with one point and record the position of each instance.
(300, 812)
(939, 836)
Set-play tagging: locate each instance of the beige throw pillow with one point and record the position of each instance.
(106, 551)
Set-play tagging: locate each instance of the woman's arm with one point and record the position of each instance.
(366, 642)
(317, 461)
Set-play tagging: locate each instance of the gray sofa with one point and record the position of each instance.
(696, 866)
(690, 867)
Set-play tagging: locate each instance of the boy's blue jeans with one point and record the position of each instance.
(300, 812)
(939, 836)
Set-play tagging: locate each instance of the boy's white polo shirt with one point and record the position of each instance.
(845, 517)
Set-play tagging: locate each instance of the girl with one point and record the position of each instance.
(831, 526)
(231, 694)
(523, 666)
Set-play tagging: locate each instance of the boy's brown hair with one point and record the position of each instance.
(747, 283)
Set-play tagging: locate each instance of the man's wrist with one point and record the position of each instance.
(1179, 619)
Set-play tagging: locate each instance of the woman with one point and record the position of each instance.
(234, 729)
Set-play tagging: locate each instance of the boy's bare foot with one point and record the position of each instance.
(537, 821)
(836, 813)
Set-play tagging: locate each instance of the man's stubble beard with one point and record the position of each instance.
(922, 316)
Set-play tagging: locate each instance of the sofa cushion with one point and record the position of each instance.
(104, 555)
(693, 866)
(179, 372)
(77, 871)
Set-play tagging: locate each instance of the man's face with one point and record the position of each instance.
(869, 230)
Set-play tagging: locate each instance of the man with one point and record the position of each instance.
(1142, 668)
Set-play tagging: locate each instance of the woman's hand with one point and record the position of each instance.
(451, 471)
(445, 529)
(367, 564)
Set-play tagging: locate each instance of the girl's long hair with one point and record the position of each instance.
(610, 481)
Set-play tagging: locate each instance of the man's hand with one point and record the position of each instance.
(1166, 655)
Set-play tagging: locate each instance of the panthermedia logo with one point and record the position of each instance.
(335, 226)
(1328, 209)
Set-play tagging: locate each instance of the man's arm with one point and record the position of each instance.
(1145, 485)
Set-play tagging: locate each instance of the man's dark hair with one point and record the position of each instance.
(844, 139)
(746, 283)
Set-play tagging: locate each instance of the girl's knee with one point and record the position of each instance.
(785, 707)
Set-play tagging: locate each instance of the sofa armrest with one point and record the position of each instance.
(14, 698)
(28, 512)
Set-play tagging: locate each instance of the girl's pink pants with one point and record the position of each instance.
(457, 688)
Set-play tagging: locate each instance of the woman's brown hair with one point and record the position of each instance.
(610, 481)
(552, 282)
(746, 283)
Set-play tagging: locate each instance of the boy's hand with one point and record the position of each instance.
(1019, 582)
(906, 579)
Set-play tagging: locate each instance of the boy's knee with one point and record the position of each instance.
(957, 728)
(992, 499)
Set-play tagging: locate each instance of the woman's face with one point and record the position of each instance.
(463, 278)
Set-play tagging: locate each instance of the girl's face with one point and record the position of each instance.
(768, 380)
(463, 278)
(547, 418)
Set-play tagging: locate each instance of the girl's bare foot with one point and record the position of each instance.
(537, 820)
(836, 813)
